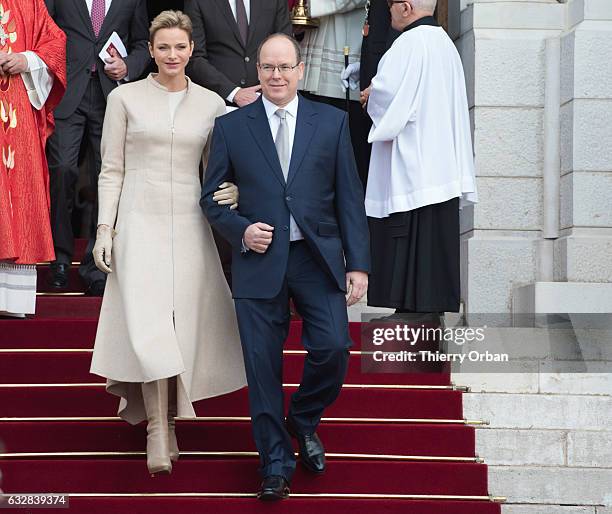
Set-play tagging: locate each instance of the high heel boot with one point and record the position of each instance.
(155, 395)
(172, 411)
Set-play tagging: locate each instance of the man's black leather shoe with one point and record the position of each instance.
(312, 453)
(96, 288)
(274, 488)
(58, 276)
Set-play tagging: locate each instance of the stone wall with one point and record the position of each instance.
(503, 47)
(549, 443)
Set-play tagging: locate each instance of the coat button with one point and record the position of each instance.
(242, 82)
(247, 59)
(285, 227)
(288, 198)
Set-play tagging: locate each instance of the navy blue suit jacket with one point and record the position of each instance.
(322, 192)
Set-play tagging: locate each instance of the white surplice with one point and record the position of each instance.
(422, 145)
(340, 24)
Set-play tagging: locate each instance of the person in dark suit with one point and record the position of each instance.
(300, 233)
(88, 24)
(378, 35)
(227, 34)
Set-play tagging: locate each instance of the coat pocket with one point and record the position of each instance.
(326, 229)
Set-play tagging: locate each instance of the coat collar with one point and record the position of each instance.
(225, 8)
(109, 19)
(81, 7)
(151, 80)
(260, 129)
(425, 20)
(304, 130)
(256, 9)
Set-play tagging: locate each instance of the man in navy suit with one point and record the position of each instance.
(300, 231)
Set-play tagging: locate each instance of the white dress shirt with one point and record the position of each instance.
(421, 138)
(274, 121)
(106, 6)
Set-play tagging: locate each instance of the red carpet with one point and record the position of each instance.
(230, 475)
(214, 436)
(391, 449)
(294, 506)
(352, 403)
(69, 368)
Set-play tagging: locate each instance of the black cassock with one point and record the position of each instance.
(415, 259)
(379, 38)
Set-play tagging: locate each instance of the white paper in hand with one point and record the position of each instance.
(114, 41)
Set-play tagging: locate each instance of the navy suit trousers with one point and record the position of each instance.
(264, 325)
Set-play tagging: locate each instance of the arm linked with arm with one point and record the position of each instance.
(229, 223)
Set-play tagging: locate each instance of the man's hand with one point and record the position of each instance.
(13, 64)
(356, 286)
(115, 67)
(227, 194)
(258, 236)
(365, 95)
(246, 95)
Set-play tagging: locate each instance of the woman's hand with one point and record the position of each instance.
(227, 194)
(103, 248)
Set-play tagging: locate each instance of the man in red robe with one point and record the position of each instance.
(32, 82)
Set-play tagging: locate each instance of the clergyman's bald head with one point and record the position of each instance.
(424, 5)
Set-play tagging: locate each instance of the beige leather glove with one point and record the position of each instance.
(227, 194)
(103, 248)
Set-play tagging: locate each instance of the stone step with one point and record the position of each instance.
(570, 412)
(555, 485)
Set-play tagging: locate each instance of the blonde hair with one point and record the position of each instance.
(170, 20)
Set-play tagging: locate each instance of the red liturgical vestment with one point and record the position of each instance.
(25, 231)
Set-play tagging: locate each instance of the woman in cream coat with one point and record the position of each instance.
(167, 334)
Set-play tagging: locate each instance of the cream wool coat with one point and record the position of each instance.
(167, 309)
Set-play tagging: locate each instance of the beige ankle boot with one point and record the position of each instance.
(172, 411)
(155, 395)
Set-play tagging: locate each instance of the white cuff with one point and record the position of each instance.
(230, 97)
(37, 79)
(245, 248)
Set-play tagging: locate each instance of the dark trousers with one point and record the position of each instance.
(63, 149)
(264, 325)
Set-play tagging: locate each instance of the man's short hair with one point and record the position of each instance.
(170, 20)
(424, 5)
(296, 46)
